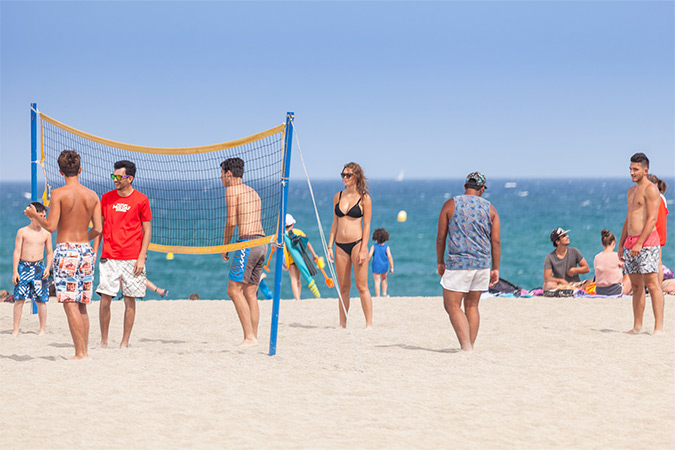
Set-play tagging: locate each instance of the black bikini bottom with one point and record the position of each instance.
(348, 247)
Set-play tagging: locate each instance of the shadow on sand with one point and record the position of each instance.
(415, 347)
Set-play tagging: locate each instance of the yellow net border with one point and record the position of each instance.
(164, 150)
(210, 250)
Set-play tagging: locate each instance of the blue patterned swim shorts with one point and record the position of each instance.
(31, 285)
(647, 261)
(248, 262)
(73, 272)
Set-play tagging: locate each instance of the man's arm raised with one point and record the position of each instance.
(52, 220)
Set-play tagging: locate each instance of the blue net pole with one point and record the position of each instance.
(288, 140)
(33, 163)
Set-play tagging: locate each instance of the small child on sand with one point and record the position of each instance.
(30, 272)
(382, 260)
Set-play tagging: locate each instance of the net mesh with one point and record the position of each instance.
(183, 185)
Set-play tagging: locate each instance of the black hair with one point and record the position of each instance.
(640, 158)
(380, 235)
(39, 207)
(234, 165)
(128, 166)
(69, 163)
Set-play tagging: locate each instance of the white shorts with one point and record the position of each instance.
(466, 280)
(112, 272)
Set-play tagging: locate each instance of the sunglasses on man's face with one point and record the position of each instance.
(118, 177)
(346, 175)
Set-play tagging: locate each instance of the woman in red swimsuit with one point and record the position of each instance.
(351, 227)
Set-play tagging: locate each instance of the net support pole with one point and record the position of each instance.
(281, 229)
(33, 164)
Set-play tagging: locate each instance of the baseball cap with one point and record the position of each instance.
(289, 220)
(475, 180)
(558, 233)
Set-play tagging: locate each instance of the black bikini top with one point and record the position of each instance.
(354, 212)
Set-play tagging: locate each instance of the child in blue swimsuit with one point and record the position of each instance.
(383, 262)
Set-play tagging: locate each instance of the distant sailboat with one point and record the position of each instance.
(510, 184)
(400, 176)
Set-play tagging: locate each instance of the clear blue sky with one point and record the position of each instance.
(438, 89)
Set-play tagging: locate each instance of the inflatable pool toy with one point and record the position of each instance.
(265, 290)
(302, 267)
(321, 264)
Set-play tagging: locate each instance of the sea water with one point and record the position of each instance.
(529, 210)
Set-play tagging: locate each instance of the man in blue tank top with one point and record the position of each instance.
(471, 225)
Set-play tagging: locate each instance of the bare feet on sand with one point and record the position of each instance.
(249, 343)
(634, 331)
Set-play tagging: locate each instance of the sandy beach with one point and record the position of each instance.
(546, 373)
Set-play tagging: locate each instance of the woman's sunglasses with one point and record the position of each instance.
(346, 175)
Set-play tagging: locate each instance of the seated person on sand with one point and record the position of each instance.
(609, 277)
(564, 264)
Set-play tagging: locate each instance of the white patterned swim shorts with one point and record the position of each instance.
(112, 272)
(73, 272)
(647, 261)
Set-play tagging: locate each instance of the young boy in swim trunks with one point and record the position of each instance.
(639, 244)
(30, 271)
(243, 212)
(73, 258)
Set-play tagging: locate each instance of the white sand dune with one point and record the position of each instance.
(546, 373)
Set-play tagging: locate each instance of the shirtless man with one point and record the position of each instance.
(243, 211)
(639, 244)
(72, 207)
(29, 271)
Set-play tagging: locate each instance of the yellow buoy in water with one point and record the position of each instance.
(169, 256)
(402, 216)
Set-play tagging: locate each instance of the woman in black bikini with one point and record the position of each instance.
(352, 210)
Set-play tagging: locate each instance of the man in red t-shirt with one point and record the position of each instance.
(126, 236)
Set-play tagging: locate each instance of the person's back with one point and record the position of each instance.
(249, 209)
(77, 204)
(470, 226)
(380, 260)
(469, 245)
(244, 210)
(607, 267)
(72, 208)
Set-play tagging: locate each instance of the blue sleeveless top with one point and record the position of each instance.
(380, 260)
(469, 245)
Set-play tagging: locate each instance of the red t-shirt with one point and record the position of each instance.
(122, 228)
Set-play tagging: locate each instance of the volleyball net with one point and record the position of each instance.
(183, 185)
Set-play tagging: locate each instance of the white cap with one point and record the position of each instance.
(289, 220)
